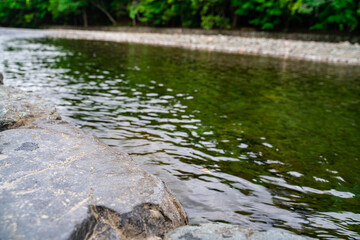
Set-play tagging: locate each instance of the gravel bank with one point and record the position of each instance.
(342, 53)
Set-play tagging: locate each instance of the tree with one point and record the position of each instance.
(343, 15)
(76, 7)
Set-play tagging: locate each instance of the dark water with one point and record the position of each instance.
(255, 141)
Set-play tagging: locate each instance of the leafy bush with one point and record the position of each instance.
(211, 21)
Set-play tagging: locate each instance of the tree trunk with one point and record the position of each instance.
(85, 20)
(234, 17)
(112, 20)
(235, 20)
(181, 14)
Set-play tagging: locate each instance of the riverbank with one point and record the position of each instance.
(334, 37)
(329, 52)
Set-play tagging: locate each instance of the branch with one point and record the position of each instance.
(106, 12)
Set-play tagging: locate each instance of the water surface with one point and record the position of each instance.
(254, 141)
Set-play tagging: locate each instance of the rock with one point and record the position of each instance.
(218, 231)
(59, 182)
(1, 79)
(18, 108)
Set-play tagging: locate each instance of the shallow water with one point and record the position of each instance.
(255, 141)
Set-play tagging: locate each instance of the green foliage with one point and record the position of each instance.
(340, 15)
(29, 13)
(210, 21)
(323, 14)
(119, 7)
(156, 12)
(62, 7)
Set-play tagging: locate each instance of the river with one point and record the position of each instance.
(256, 141)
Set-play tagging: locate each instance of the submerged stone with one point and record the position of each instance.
(59, 182)
(221, 231)
(18, 108)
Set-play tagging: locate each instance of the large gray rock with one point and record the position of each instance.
(58, 182)
(18, 108)
(221, 231)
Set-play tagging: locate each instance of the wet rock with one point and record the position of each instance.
(1, 79)
(219, 231)
(18, 108)
(59, 182)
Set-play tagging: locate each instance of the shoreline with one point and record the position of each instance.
(243, 32)
(334, 53)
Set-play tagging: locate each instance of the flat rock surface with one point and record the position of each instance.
(59, 182)
(18, 108)
(221, 231)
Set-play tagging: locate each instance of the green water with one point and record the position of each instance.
(255, 141)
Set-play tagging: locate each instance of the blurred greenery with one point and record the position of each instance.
(340, 15)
